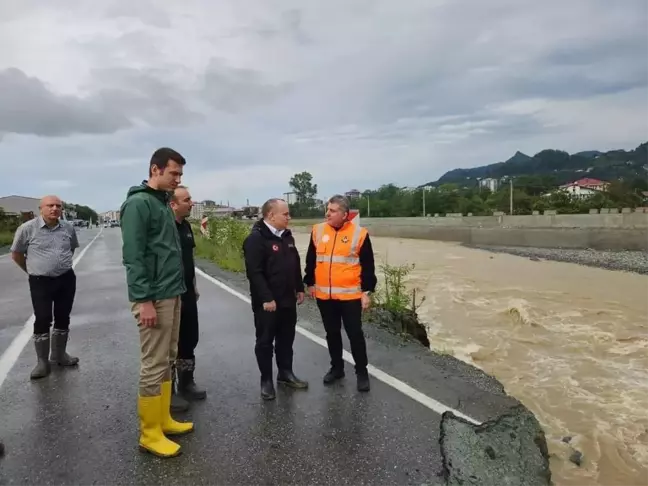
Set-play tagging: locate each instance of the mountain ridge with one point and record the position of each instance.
(558, 164)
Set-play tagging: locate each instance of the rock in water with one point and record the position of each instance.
(508, 451)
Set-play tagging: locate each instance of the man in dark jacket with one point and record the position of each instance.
(273, 269)
(185, 364)
(152, 256)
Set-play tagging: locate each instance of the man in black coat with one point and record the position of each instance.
(273, 269)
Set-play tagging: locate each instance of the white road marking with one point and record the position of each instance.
(399, 385)
(12, 353)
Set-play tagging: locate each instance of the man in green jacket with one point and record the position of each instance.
(153, 259)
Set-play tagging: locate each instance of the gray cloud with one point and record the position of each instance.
(358, 92)
(27, 106)
(121, 97)
(232, 89)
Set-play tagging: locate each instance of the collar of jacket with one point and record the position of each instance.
(261, 227)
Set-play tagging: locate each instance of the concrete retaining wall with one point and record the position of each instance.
(628, 231)
(621, 220)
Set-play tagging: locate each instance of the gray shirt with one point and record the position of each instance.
(49, 251)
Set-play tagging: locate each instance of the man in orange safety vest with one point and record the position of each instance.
(340, 275)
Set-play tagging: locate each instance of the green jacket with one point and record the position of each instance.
(151, 249)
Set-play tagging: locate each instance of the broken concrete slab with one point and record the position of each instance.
(507, 451)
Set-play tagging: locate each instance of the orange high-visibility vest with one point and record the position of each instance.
(337, 267)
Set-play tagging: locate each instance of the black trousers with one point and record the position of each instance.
(276, 328)
(188, 336)
(52, 296)
(349, 312)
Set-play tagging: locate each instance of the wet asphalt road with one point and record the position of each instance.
(80, 426)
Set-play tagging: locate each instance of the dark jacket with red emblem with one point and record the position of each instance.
(272, 266)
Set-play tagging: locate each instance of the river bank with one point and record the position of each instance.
(628, 261)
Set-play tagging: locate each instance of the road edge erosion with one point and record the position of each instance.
(463, 444)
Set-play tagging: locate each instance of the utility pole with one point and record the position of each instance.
(368, 207)
(511, 195)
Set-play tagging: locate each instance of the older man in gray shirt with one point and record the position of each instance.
(44, 249)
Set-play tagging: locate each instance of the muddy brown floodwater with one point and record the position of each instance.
(570, 342)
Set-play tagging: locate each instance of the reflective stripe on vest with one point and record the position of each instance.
(332, 276)
(338, 290)
(338, 259)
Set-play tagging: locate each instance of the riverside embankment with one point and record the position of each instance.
(617, 232)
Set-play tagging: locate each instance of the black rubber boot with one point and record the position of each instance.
(267, 389)
(186, 385)
(178, 403)
(333, 374)
(288, 378)
(42, 346)
(58, 353)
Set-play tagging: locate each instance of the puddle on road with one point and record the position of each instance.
(568, 341)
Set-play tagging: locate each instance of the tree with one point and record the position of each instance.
(305, 190)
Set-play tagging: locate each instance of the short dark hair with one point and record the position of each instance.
(161, 157)
(341, 201)
(269, 205)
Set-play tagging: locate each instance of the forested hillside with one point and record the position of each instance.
(561, 167)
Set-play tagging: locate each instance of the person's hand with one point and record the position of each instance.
(365, 300)
(147, 314)
(300, 298)
(270, 306)
(311, 291)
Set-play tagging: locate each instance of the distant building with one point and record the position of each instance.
(17, 205)
(197, 210)
(219, 212)
(352, 194)
(109, 216)
(585, 187)
(489, 183)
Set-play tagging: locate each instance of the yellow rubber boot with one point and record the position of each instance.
(151, 437)
(170, 426)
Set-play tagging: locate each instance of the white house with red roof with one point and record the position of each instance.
(585, 187)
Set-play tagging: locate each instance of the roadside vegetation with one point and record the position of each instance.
(224, 244)
(8, 226)
(395, 306)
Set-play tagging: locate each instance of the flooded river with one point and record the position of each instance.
(568, 341)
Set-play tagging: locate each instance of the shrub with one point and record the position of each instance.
(395, 306)
(224, 246)
(6, 238)
(393, 295)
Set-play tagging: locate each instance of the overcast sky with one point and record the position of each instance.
(357, 92)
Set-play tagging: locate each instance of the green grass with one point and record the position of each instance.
(6, 238)
(225, 245)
